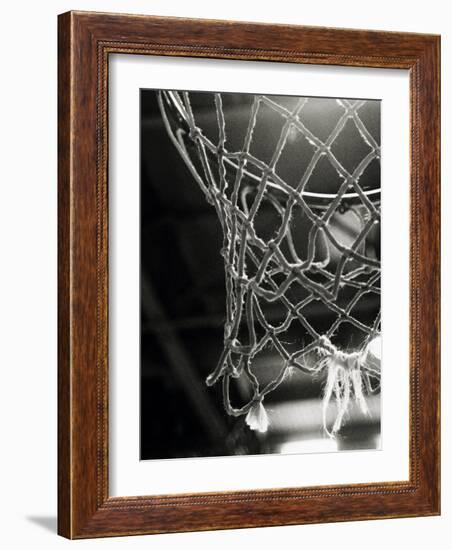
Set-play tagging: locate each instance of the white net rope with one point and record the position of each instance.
(261, 272)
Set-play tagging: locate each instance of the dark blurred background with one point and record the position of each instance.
(183, 298)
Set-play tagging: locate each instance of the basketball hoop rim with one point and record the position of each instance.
(313, 197)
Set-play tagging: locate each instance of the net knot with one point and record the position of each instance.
(194, 133)
(221, 150)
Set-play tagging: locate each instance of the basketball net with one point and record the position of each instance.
(261, 272)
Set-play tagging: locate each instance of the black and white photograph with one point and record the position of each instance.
(260, 274)
(225, 266)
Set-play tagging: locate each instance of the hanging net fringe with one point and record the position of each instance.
(260, 272)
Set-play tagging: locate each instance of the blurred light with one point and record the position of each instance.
(324, 445)
(375, 347)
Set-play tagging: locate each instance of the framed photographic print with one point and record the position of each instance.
(248, 275)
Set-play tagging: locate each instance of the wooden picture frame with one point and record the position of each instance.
(86, 40)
